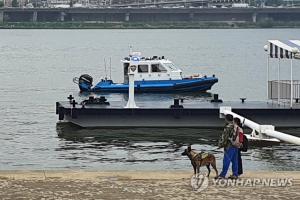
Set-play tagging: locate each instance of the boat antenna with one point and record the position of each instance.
(110, 68)
(105, 69)
(130, 50)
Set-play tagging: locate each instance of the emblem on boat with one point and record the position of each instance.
(132, 68)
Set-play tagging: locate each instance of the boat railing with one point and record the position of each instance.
(282, 90)
(76, 80)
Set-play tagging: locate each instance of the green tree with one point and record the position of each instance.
(1, 4)
(14, 3)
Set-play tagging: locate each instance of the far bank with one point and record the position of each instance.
(149, 18)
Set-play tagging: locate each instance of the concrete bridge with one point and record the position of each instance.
(162, 3)
(185, 3)
(149, 14)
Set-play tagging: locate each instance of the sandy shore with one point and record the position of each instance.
(139, 185)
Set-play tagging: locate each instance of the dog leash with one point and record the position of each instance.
(217, 148)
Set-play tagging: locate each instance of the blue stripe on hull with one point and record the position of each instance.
(167, 86)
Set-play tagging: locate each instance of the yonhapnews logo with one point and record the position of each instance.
(200, 182)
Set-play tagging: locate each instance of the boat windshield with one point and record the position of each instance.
(171, 66)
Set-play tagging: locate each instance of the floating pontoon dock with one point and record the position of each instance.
(186, 114)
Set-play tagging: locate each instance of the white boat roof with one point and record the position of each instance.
(283, 49)
(140, 59)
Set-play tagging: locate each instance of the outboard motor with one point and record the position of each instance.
(85, 82)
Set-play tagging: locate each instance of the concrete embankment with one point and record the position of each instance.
(142, 185)
(139, 25)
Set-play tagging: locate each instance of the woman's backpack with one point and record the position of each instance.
(238, 137)
(244, 146)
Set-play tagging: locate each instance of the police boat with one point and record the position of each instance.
(152, 74)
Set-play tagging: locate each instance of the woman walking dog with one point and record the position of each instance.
(230, 150)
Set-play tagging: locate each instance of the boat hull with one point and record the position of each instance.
(168, 86)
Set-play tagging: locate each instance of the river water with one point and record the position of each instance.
(37, 68)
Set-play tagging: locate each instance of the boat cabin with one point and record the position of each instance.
(150, 69)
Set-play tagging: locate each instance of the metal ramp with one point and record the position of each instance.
(265, 133)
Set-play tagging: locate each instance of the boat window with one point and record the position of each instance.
(126, 65)
(171, 66)
(157, 68)
(143, 68)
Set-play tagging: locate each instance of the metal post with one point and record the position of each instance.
(278, 86)
(254, 17)
(268, 77)
(127, 17)
(1, 17)
(62, 16)
(191, 16)
(291, 83)
(34, 16)
(266, 48)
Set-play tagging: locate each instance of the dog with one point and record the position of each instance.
(201, 159)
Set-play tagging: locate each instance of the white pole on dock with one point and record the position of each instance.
(266, 48)
(267, 130)
(131, 102)
(278, 85)
(292, 83)
(268, 76)
(294, 51)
